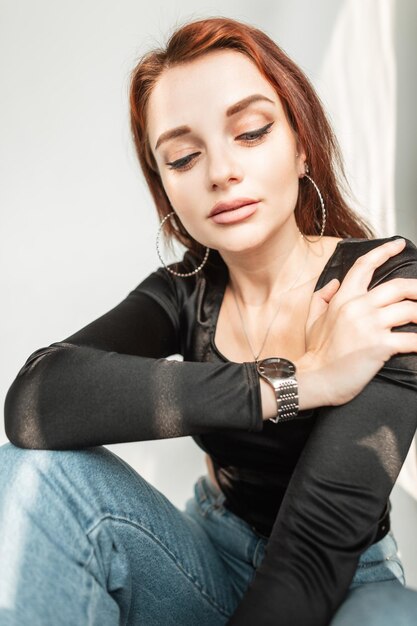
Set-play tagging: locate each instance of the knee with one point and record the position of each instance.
(13, 457)
(25, 471)
(14, 460)
(82, 458)
(93, 477)
(374, 604)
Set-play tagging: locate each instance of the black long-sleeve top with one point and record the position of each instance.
(316, 486)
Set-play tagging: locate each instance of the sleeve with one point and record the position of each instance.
(338, 491)
(111, 382)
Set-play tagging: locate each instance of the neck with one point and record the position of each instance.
(259, 275)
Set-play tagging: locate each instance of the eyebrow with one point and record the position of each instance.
(232, 110)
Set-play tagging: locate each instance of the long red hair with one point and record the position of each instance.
(303, 108)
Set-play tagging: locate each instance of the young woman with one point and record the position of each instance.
(299, 380)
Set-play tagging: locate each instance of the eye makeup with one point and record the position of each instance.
(251, 138)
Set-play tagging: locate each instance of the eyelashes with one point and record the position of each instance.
(252, 137)
(255, 134)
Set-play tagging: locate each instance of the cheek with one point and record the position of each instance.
(278, 177)
(278, 162)
(184, 200)
(184, 194)
(175, 191)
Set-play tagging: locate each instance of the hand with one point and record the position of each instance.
(348, 329)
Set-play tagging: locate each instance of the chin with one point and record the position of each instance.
(241, 244)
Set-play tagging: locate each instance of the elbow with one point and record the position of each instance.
(19, 419)
(25, 414)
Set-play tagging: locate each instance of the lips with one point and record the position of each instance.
(221, 207)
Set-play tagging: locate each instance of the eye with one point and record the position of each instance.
(181, 164)
(254, 135)
(251, 137)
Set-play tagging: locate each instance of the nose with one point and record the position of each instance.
(224, 168)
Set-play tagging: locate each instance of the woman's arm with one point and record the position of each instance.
(337, 493)
(110, 382)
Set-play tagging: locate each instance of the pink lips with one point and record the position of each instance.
(233, 211)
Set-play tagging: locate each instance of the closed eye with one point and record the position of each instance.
(252, 137)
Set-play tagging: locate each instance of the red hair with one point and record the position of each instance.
(301, 104)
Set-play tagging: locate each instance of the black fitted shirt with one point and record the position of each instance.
(316, 486)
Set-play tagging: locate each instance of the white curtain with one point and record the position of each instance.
(357, 84)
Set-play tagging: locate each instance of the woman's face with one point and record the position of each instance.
(247, 152)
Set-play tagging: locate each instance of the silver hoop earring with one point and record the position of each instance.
(162, 261)
(323, 210)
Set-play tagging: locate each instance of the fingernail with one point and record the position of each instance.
(398, 242)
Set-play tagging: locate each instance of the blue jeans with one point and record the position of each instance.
(85, 540)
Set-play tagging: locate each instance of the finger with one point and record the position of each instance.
(321, 298)
(394, 290)
(402, 342)
(359, 276)
(398, 314)
(327, 292)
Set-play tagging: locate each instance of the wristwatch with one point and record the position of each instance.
(280, 374)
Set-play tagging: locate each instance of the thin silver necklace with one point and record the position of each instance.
(276, 312)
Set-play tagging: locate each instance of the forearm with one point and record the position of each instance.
(70, 396)
(331, 508)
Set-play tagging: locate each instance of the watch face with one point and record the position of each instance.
(276, 368)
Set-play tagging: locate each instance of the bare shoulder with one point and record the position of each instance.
(320, 251)
(323, 247)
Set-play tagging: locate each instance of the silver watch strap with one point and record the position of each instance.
(287, 401)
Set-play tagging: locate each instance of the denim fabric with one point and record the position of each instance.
(85, 540)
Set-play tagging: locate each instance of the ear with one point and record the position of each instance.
(301, 157)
